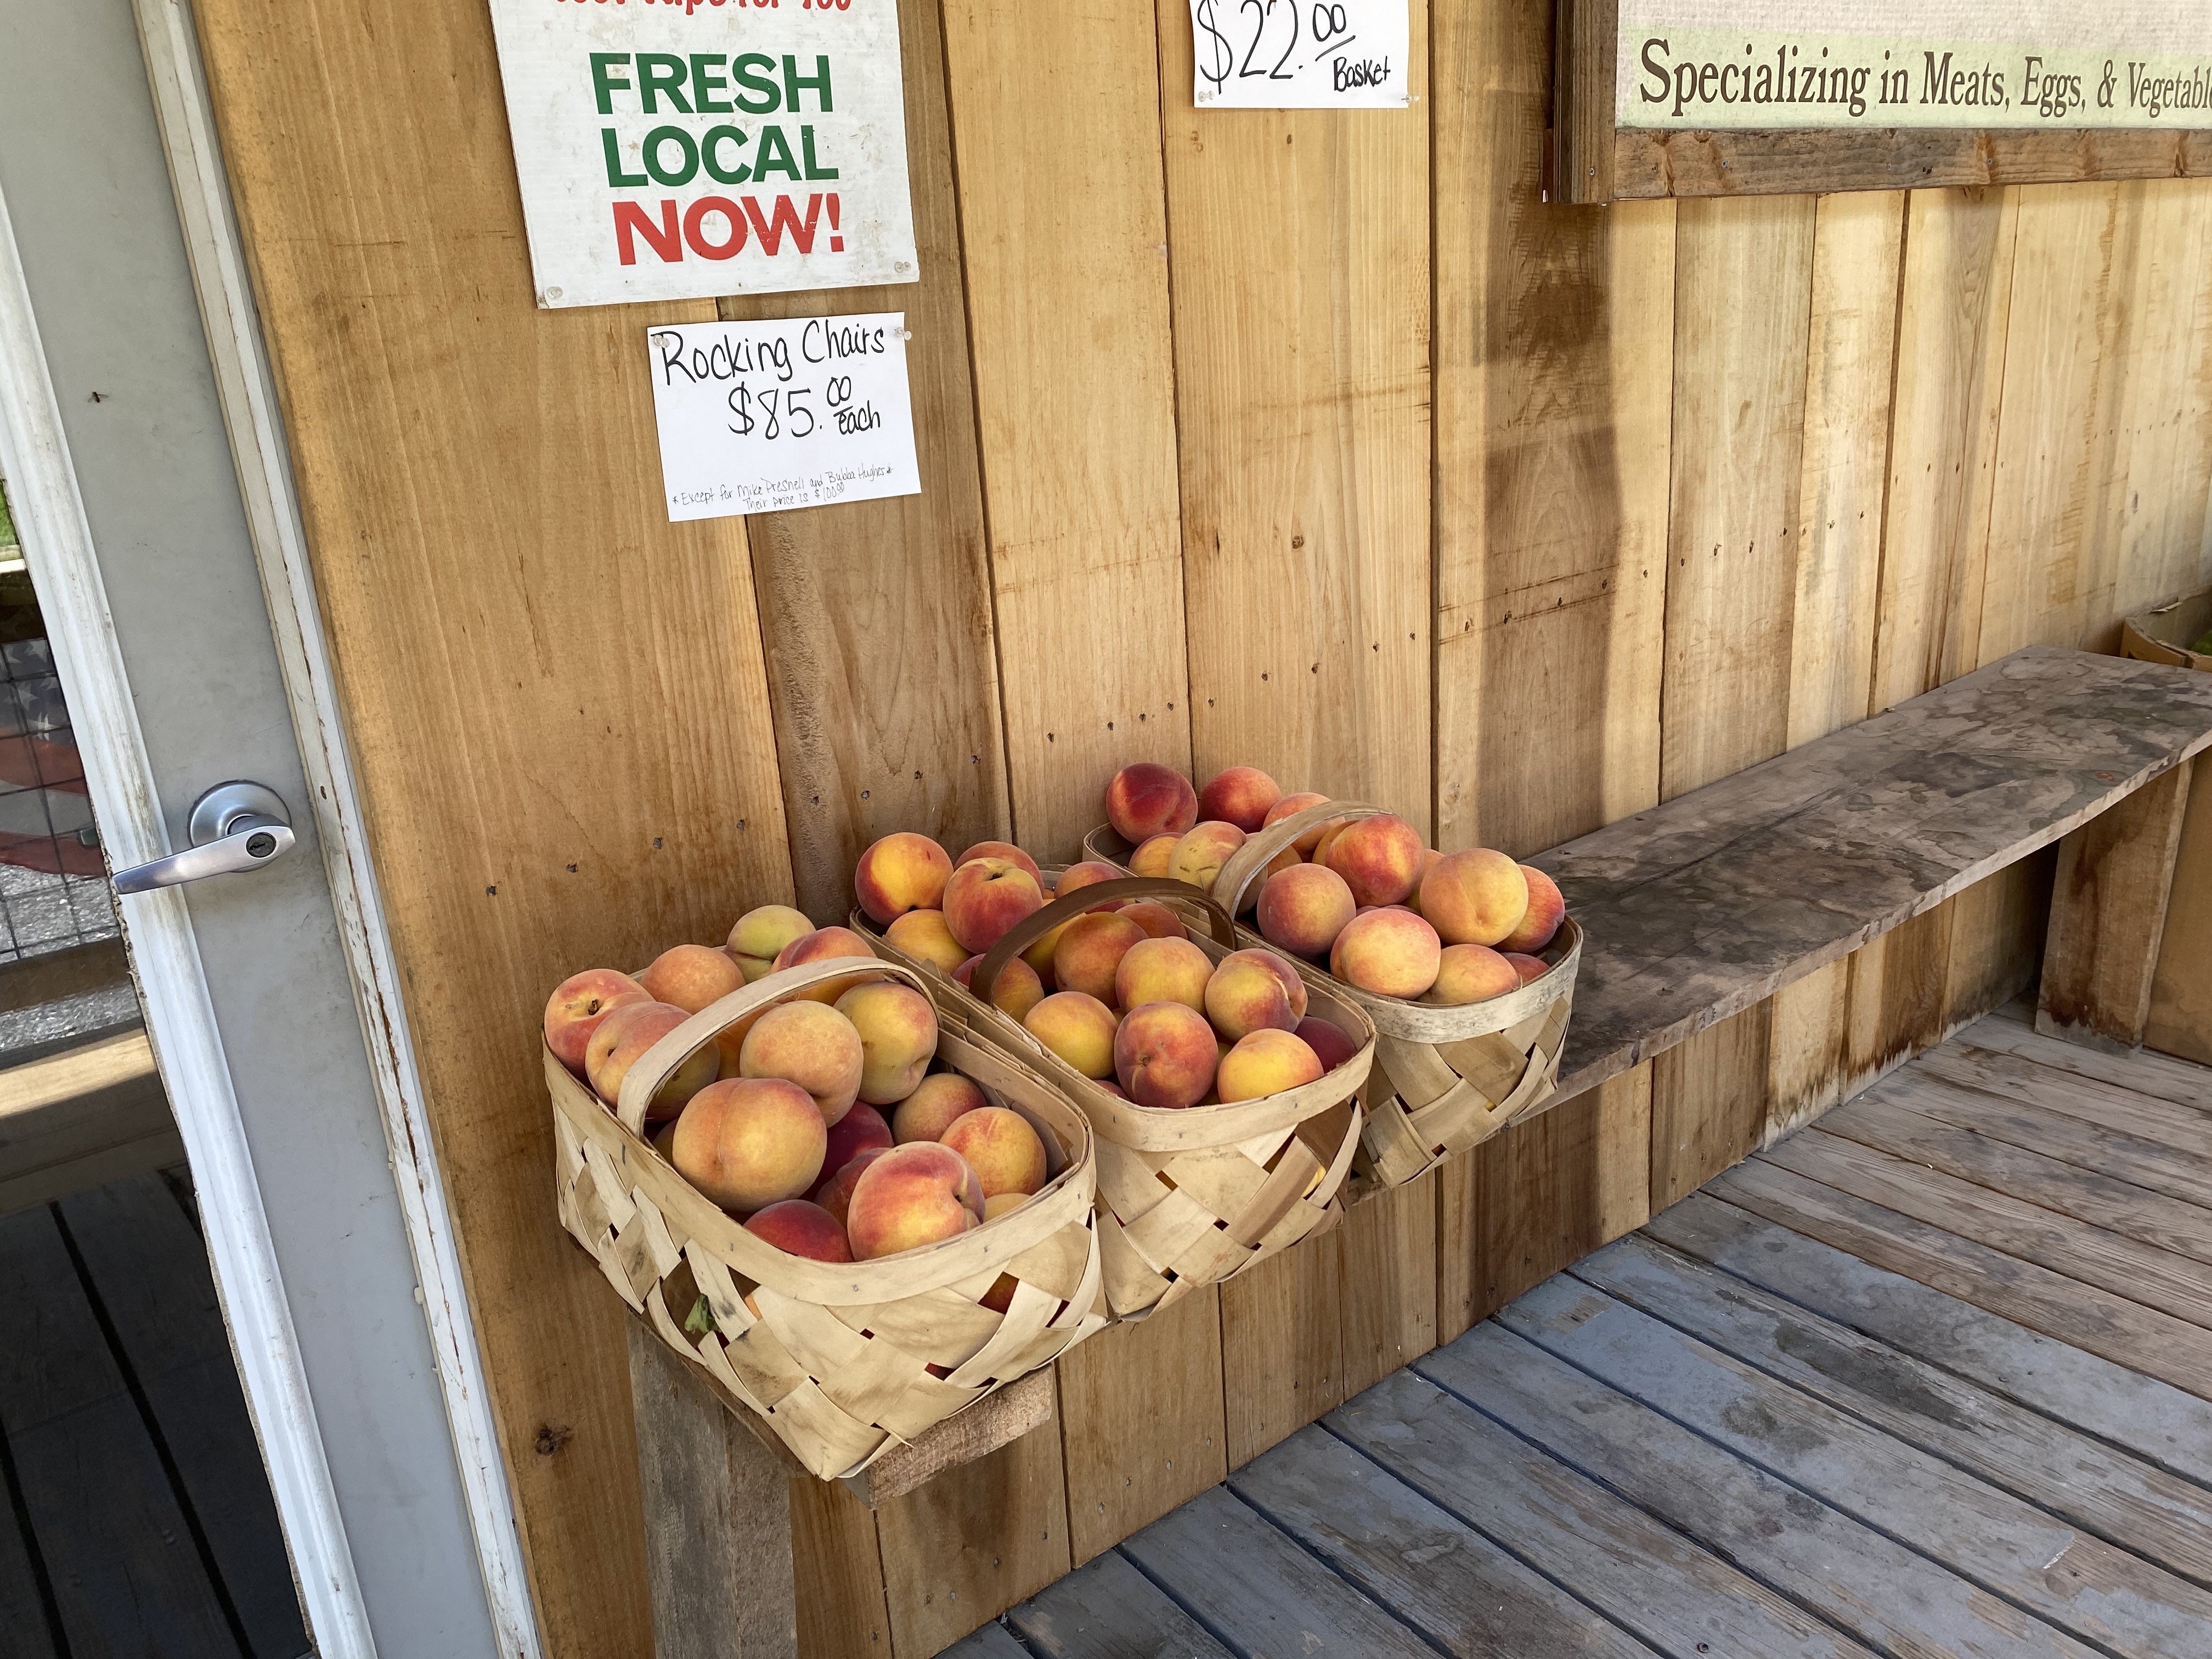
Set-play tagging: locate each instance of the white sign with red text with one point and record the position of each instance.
(677, 149)
(799, 411)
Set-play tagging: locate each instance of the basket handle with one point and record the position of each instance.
(654, 1066)
(1240, 867)
(1034, 927)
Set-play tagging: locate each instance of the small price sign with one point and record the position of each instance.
(1300, 54)
(764, 417)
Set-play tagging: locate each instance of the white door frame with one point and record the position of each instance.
(179, 1013)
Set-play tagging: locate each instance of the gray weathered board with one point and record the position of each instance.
(1698, 908)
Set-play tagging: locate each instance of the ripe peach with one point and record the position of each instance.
(929, 1111)
(1199, 856)
(1389, 952)
(1077, 1027)
(689, 977)
(627, 1032)
(577, 1006)
(1152, 858)
(1147, 799)
(912, 1196)
(1379, 858)
(1005, 850)
(1162, 970)
(749, 1142)
(1430, 859)
(988, 897)
(1329, 1043)
(923, 935)
(1163, 1056)
(854, 1133)
(901, 873)
(1530, 969)
(1476, 897)
(1540, 925)
(1039, 955)
(1006, 1153)
(1304, 908)
(1089, 952)
(1111, 1087)
(1088, 873)
(1265, 1063)
(1329, 832)
(835, 1195)
(1017, 991)
(898, 1038)
(812, 1046)
(1157, 919)
(820, 945)
(1000, 1203)
(1470, 973)
(1290, 807)
(1253, 991)
(1241, 795)
(760, 936)
(798, 1228)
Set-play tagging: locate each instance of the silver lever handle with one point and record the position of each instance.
(234, 827)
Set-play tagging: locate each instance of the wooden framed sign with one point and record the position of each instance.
(1764, 97)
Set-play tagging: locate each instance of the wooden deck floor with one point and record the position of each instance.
(137, 1520)
(1930, 1377)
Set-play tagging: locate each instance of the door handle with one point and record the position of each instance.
(234, 827)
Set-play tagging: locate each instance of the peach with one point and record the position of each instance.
(898, 1038)
(1265, 1063)
(760, 936)
(1000, 1203)
(1147, 799)
(1088, 873)
(836, 1193)
(1006, 1153)
(689, 977)
(1540, 925)
(1199, 856)
(986, 897)
(798, 1228)
(1019, 989)
(1329, 1043)
(1253, 991)
(1476, 897)
(1304, 908)
(1241, 795)
(912, 1196)
(1152, 858)
(923, 935)
(749, 1142)
(1163, 1056)
(1379, 858)
(810, 1045)
(627, 1032)
(1290, 806)
(855, 1133)
(1157, 919)
(1389, 952)
(1329, 832)
(1089, 952)
(1077, 1027)
(1005, 850)
(1162, 970)
(901, 873)
(1531, 969)
(577, 1006)
(1112, 1087)
(1430, 859)
(1039, 954)
(1470, 973)
(821, 945)
(929, 1111)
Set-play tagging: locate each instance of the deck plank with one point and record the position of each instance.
(992, 1641)
(149, 1267)
(1257, 1590)
(2011, 1030)
(1106, 1609)
(125, 1574)
(2126, 1502)
(2155, 1421)
(2102, 1105)
(2009, 1548)
(23, 1613)
(1664, 1589)
(1893, 1598)
(1454, 1585)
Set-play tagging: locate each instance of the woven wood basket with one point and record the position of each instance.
(1187, 1198)
(1444, 1080)
(834, 1357)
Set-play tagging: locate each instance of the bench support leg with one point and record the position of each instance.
(2108, 917)
(717, 1518)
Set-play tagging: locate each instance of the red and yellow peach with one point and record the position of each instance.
(923, 935)
(1147, 799)
(1389, 952)
(760, 935)
(1470, 973)
(1079, 1027)
(1006, 1153)
(1161, 970)
(577, 1006)
(1164, 1055)
(912, 1196)
(1304, 908)
(624, 1035)
(1379, 858)
(1204, 848)
(898, 1038)
(1540, 925)
(749, 1142)
(1241, 795)
(809, 1044)
(930, 1109)
(901, 873)
(1266, 1062)
(798, 1228)
(986, 897)
(1091, 950)
(1475, 897)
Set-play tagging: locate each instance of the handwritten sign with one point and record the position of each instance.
(692, 147)
(762, 417)
(1300, 54)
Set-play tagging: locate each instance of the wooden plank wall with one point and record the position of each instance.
(1313, 439)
